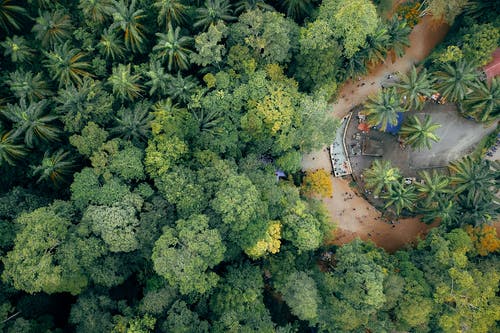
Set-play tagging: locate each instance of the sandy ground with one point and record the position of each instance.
(352, 214)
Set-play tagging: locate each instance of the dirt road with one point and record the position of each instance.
(353, 215)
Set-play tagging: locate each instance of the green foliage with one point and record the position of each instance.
(124, 83)
(34, 264)
(381, 176)
(9, 149)
(127, 19)
(382, 110)
(66, 66)
(301, 294)
(17, 48)
(171, 11)
(185, 254)
(55, 167)
(90, 140)
(52, 28)
(483, 104)
(209, 51)
(116, 225)
(25, 85)
(238, 302)
(173, 47)
(9, 14)
(270, 37)
(212, 11)
(456, 81)
(180, 319)
(419, 134)
(350, 21)
(30, 121)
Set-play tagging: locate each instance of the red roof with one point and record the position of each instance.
(493, 68)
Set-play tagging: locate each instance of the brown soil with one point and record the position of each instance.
(352, 214)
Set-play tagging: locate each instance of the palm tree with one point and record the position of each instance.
(208, 120)
(9, 15)
(297, 9)
(419, 134)
(66, 66)
(433, 186)
(9, 149)
(124, 84)
(25, 85)
(127, 19)
(31, 121)
(473, 178)
(171, 11)
(158, 79)
(399, 32)
(181, 88)
(456, 81)
(52, 28)
(414, 87)
(401, 197)
(173, 46)
(483, 104)
(383, 109)
(444, 209)
(355, 66)
(17, 48)
(110, 46)
(479, 210)
(376, 50)
(55, 167)
(212, 12)
(247, 5)
(381, 175)
(134, 125)
(96, 10)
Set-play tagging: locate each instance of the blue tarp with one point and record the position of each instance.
(394, 129)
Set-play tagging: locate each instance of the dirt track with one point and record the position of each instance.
(352, 214)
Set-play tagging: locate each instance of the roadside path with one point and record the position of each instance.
(353, 215)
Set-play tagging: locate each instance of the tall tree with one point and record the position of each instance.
(110, 46)
(398, 32)
(171, 11)
(127, 19)
(297, 9)
(419, 134)
(185, 255)
(474, 178)
(483, 103)
(96, 10)
(10, 13)
(17, 48)
(415, 87)
(384, 108)
(213, 11)
(52, 28)
(125, 84)
(174, 48)
(26, 85)
(30, 121)
(401, 197)
(66, 65)
(381, 175)
(350, 22)
(456, 81)
(56, 167)
(10, 150)
(433, 186)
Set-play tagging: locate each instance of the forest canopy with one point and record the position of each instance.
(141, 148)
